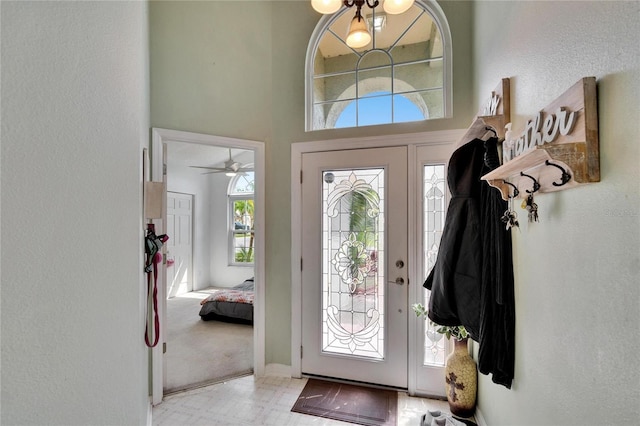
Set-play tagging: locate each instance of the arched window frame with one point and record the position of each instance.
(232, 197)
(431, 7)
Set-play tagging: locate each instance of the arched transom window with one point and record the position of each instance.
(404, 74)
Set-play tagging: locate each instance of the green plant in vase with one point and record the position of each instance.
(458, 332)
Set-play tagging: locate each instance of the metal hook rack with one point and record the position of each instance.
(492, 130)
(536, 184)
(575, 153)
(516, 192)
(566, 177)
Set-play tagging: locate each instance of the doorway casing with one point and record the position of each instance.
(159, 137)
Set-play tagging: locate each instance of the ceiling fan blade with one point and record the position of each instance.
(219, 169)
(230, 166)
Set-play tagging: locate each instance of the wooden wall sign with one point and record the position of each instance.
(495, 113)
(565, 134)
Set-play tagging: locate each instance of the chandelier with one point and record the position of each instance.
(358, 34)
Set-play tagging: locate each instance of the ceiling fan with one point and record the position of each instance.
(230, 168)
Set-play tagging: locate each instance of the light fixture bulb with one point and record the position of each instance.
(394, 7)
(230, 174)
(358, 35)
(326, 6)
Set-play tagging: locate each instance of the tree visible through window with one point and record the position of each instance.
(241, 219)
(403, 75)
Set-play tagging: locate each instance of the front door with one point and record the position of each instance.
(354, 265)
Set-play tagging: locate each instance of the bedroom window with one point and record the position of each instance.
(241, 219)
(404, 74)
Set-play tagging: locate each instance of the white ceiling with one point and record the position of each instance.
(182, 155)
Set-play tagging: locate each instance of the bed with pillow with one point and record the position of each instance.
(230, 305)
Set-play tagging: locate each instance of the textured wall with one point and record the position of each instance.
(577, 273)
(74, 119)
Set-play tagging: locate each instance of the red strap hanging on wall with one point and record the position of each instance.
(156, 320)
(153, 244)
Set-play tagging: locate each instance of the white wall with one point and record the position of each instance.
(577, 271)
(74, 121)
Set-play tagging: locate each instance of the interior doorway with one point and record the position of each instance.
(196, 164)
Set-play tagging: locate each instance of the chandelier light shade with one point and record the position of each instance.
(326, 6)
(358, 35)
(395, 7)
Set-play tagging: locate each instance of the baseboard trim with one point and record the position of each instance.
(207, 383)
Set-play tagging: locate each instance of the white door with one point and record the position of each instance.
(180, 243)
(354, 273)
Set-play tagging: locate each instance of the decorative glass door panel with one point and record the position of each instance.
(353, 299)
(434, 194)
(431, 347)
(354, 250)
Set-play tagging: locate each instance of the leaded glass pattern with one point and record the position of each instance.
(353, 231)
(434, 199)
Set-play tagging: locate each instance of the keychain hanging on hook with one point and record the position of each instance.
(510, 217)
(531, 207)
(528, 204)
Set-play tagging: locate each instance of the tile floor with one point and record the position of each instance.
(264, 401)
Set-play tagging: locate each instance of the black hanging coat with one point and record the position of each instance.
(496, 354)
(455, 279)
(471, 282)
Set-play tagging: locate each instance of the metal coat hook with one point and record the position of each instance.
(536, 185)
(492, 130)
(566, 177)
(515, 189)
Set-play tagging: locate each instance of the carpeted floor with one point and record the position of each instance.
(201, 352)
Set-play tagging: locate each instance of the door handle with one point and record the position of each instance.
(399, 281)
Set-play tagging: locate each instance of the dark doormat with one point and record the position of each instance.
(348, 403)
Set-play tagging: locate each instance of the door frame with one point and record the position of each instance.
(412, 141)
(159, 137)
